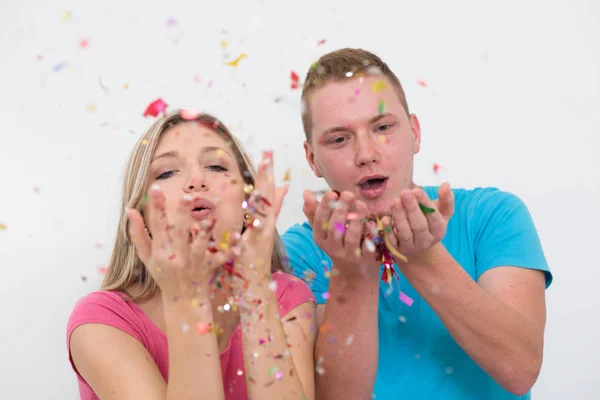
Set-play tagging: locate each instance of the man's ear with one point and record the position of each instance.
(415, 127)
(310, 157)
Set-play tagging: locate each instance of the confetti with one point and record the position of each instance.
(286, 177)
(202, 328)
(188, 114)
(425, 209)
(422, 83)
(197, 78)
(370, 245)
(84, 278)
(295, 78)
(319, 43)
(66, 16)
(356, 92)
(240, 372)
(90, 107)
(381, 138)
(349, 340)
(156, 107)
(405, 299)
(381, 107)
(102, 269)
(449, 370)
(36, 189)
(185, 328)
(171, 22)
(273, 285)
(340, 227)
(223, 43)
(326, 295)
(402, 319)
(102, 85)
(60, 66)
(378, 85)
(84, 43)
(234, 63)
(319, 368)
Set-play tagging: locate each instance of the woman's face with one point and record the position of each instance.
(193, 160)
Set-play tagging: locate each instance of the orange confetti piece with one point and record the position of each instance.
(223, 43)
(202, 328)
(324, 327)
(3, 227)
(286, 177)
(234, 63)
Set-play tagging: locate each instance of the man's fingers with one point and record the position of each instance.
(435, 220)
(446, 200)
(310, 206)
(322, 215)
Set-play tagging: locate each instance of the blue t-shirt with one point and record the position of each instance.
(418, 359)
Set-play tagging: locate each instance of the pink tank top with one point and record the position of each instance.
(110, 308)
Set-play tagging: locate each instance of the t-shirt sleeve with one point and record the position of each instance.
(506, 234)
(106, 308)
(291, 292)
(307, 260)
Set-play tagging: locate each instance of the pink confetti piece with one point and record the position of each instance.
(356, 92)
(319, 43)
(405, 299)
(340, 228)
(326, 295)
(189, 114)
(172, 22)
(278, 375)
(102, 269)
(422, 83)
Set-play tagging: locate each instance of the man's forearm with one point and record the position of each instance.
(347, 343)
(502, 341)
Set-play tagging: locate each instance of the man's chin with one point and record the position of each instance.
(379, 207)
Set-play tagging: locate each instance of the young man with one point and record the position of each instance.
(466, 317)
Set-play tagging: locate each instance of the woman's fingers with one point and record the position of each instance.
(138, 235)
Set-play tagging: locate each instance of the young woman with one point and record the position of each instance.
(196, 303)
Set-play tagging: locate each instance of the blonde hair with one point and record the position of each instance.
(336, 66)
(125, 268)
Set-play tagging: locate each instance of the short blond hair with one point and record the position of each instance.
(340, 65)
(125, 268)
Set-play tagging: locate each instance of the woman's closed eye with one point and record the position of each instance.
(166, 174)
(217, 168)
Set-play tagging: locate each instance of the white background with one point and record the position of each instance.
(512, 100)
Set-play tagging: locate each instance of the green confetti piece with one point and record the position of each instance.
(272, 370)
(381, 107)
(218, 284)
(145, 199)
(425, 209)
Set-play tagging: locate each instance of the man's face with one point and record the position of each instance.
(362, 140)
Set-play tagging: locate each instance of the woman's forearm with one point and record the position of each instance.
(270, 370)
(194, 359)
